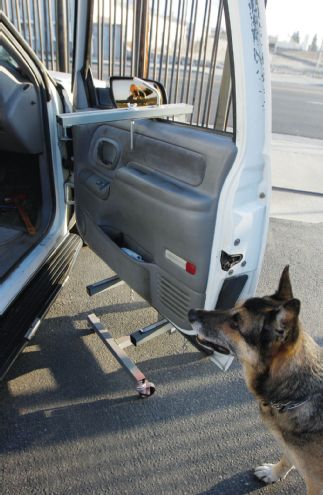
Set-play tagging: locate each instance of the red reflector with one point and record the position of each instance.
(190, 268)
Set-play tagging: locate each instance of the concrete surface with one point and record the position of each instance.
(71, 423)
(295, 63)
(296, 206)
(297, 163)
(297, 178)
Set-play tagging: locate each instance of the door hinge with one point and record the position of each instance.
(229, 260)
(65, 143)
(69, 193)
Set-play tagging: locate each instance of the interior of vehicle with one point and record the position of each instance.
(25, 206)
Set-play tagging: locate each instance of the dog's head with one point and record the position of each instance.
(257, 330)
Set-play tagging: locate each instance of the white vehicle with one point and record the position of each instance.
(179, 213)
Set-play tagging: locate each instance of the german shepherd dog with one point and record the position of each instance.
(283, 368)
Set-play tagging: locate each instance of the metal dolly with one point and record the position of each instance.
(117, 346)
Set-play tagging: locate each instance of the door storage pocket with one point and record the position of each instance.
(163, 291)
(110, 246)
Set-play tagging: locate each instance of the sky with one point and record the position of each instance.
(284, 17)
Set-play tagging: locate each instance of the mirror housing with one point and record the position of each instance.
(133, 91)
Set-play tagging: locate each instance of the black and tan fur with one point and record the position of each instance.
(283, 368)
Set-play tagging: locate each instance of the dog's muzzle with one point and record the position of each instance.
(197, 325)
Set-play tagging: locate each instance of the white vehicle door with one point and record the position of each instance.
(180, 213)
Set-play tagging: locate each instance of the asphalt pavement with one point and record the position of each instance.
(71, 422)
(297, 105)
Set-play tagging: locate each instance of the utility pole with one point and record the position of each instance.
(142, 38)
(61, 36)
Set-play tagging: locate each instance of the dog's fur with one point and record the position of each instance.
(283, 368)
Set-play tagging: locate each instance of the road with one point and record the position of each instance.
(297, 105)
(71, 423)
(298, 108)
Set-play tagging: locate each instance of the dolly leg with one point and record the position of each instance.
(150, 332)
(103, 285)
(143, 387)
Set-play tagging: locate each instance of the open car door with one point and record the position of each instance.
(37, 252)
(180, 213)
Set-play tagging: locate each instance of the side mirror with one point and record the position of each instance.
(133, 91)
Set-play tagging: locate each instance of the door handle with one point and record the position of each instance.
(107, 153)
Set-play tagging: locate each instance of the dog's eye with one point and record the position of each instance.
(234, 323)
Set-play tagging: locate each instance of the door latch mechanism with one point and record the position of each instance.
(229, 260)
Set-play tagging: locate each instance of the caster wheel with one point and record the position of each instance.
(145, 389)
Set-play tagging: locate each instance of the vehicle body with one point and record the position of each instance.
(192, 203)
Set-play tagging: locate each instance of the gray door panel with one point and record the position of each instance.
(158, 200)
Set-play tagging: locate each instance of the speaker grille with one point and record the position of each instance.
(174, 298)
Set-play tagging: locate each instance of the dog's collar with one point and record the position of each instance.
(284, 406)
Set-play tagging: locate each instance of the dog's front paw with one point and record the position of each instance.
(267, 473)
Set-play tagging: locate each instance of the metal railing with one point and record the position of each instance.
(47, 25)
(181, 43)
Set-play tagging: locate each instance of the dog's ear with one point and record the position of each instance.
(284, 291)
(287, 319)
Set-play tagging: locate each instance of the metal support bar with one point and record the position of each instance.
(85, 117)
(143, 387)
(150, 332)
(104, 285)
